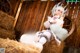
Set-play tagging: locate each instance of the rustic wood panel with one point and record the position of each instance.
(73, 40)
(30, 16)
(14, 6)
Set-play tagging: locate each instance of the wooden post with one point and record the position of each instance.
(17, 14)
(44, 15)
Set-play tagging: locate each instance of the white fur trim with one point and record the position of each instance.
(61, 33)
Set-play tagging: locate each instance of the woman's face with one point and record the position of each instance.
(58, 12)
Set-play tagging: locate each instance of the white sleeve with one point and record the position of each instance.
(47, 24)
(50, 19)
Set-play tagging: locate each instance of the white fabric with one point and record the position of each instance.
(42, 40)
(28, 38)
(46, 33)
(31, 39)
(58, 22)
(47, 24)
(60, 32)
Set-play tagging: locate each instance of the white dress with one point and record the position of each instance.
(56, 28)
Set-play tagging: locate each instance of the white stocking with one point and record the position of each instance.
(42, 40)
(58, 41)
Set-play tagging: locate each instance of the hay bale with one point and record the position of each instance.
(6, 21)
(12, 46)
(7, 33)
(52, 47)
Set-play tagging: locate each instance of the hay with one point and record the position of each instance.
(52, 47)
(6, 21)
(7, 33)
(12, 46)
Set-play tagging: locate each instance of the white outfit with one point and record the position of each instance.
(56, 29)
(33, 39)
(44, 33)
(50, 19)
(60, 33)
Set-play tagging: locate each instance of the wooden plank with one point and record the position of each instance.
(44, 15)
(17, 14)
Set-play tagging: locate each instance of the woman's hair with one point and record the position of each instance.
(58, 6)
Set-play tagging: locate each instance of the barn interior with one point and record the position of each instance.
(24, 16)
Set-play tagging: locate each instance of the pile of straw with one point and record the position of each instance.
(6, 21)
(12, 46)
(7, 33)
(6, 26)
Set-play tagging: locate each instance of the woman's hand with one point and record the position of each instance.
(53, 22)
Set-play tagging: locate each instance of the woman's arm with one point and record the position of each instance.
(62, 18)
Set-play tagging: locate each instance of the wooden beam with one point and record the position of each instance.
(44, 15)
(17, 14)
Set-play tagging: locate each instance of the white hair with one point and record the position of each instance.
(58, 6)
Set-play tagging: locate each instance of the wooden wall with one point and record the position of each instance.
(30, 16)
(73, 40)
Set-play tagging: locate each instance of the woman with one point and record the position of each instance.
(56, 22)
